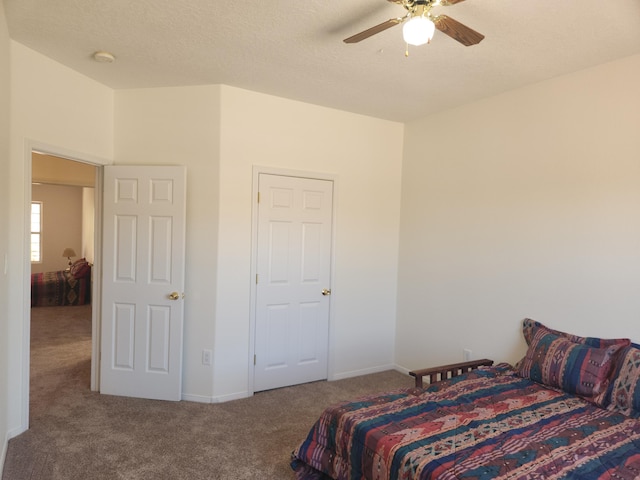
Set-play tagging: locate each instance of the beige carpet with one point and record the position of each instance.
(79, 434)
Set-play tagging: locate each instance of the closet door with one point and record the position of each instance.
(293, 282)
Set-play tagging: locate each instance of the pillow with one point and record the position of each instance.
(80, 268)
(625, 388)
(575, 368)
(530, 327)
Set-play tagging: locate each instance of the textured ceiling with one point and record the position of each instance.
(294, 48)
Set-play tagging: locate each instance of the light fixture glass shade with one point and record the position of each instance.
(68, 252)
(418, 30)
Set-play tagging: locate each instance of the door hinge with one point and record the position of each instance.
(257, 278)
(258, 197)
(254, 358)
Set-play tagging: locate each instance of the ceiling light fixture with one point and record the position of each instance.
(418, 30)
(103, 57)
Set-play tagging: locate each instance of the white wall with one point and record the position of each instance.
(365, 155)
(184, 126)
(181, 126)
(524, 204)
(61, 225)
(54, 107)
(4, 232)
(219, 133)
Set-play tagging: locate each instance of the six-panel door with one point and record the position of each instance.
(294, 267)
(143, 281)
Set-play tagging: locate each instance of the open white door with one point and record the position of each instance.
(294, 273)
(143, 281)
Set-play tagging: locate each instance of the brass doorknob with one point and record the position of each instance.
(174, 296)
(326, 291)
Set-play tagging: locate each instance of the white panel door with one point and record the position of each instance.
(143, 281)
(293, 289)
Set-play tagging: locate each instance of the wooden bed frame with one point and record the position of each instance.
(443, 372)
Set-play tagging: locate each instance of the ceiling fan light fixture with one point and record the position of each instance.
(418, 30)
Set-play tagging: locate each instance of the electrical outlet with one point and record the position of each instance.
(466, 354)
(206, 357)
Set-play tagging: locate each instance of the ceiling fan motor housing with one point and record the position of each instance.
(422, 8)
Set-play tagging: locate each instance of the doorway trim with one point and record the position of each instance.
(284, 172)
(31, 146)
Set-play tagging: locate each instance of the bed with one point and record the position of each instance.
(62, 287)
(570, 409)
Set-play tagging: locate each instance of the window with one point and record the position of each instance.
(36, 231)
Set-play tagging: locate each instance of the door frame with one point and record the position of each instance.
(284, 172)
(96, 293)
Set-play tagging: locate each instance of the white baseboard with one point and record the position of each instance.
(230, 396)
(364, 371)
(401, 369)
(187, 397)
(3, 454)
(5, 445)
(337, 376)
(16, 431)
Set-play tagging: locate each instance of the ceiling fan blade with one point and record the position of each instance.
(457, 30)
(373, 30)
(446, 3)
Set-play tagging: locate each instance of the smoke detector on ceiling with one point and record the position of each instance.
(103, 57)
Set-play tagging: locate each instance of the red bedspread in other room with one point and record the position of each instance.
(59, 288)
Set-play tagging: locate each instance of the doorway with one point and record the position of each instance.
(61, 256)
(42, 152)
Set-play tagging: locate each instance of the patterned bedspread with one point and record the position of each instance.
(50, 289)
(487, 424)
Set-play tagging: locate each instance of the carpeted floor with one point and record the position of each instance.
(79, 434)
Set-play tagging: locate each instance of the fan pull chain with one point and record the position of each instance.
(406, 51)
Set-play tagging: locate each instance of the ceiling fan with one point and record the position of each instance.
(420, 24)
